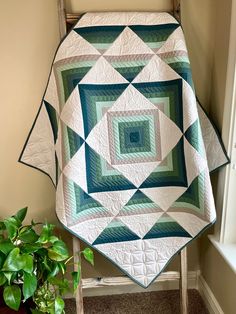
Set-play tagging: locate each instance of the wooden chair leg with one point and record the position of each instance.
(183, 283)
(79, 293)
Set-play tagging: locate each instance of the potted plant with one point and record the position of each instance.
(33, 266)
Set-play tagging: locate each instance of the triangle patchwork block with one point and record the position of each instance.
(121, 47)
(129, 66)
(166, 227)
(73, 46)
(154, 35)
(72, 142)
(101, 37)
(194, 136)
(164, 196)
(116, 231)
(103, 73)
(156, 71)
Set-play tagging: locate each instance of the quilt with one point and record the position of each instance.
(118, 132)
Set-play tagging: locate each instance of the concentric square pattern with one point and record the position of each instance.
(134, 136)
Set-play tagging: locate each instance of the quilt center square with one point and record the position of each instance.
(134, 136)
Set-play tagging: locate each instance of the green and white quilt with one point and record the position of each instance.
(118, 132)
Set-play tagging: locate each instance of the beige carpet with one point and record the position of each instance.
(161, 302)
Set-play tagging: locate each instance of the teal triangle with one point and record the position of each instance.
(166, 227)
(139, 198)
(193, 194)
(52, 115)
(71, 140)
(116, 231)
(84, 201)
(194, 136)
(74, 140)
(154, 35)
(139, 204)
(101, 37)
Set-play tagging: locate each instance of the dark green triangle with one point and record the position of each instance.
(75, 141)
(100, 34)
(129, 73)
(154, 33)
(194, 137)
(116, 231)
(191, 196)
(52, 114)
(166, 227)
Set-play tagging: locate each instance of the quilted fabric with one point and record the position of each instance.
(118, 132)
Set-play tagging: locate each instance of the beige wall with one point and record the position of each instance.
(120, 5)
(29, 37)
(198, 19)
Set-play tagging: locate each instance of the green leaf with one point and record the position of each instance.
(9, 275)
(76, 276)
(15, 261)
(28, 235)
(3, 279)
(20, 215)
(58, 252)
(6, 246)
(12, 296)
(88, 255)
(59, 305)
(29, 285)
(12, 225)
(46, 233)
(27, 263)
(55, 270)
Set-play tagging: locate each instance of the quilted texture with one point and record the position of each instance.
(118, 132)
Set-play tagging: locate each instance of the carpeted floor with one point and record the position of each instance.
(161, 302)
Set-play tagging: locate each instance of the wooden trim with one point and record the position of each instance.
(177, 9)
(183, 283)
(208, 297)
(168, 280)
(61, 18)
(78, 293)
(227, 182)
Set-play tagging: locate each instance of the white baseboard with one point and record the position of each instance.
(208, 297)
(119, 285)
